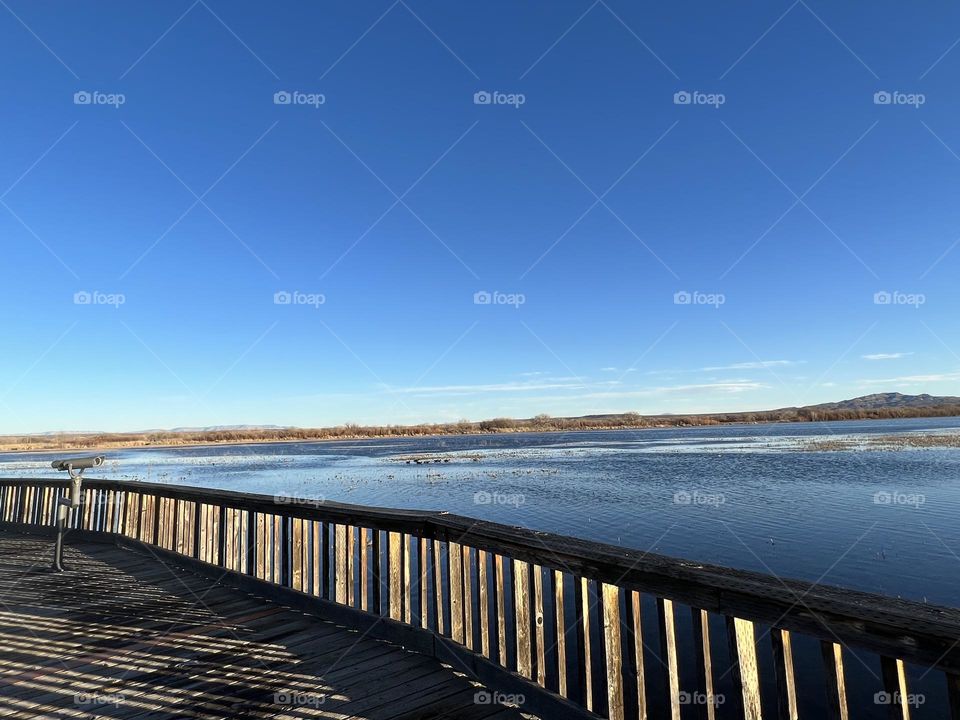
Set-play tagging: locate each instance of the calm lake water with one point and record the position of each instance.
(743, 496)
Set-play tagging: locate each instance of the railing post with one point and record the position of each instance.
(251, 542)
(325, 575)
(197, 520)
(377, 605)
(175, 532)
(157, 502)
(286, 571)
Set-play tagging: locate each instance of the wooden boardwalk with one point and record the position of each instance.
(126, 635)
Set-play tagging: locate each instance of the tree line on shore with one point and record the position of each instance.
(540, 423)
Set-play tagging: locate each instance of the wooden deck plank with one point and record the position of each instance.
(124, 635)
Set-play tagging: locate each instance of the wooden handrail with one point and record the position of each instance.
(341, 542)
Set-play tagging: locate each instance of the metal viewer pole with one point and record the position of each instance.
(65, 505)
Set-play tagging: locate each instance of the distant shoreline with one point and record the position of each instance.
(539, 424)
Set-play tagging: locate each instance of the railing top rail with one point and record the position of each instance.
(891, 626)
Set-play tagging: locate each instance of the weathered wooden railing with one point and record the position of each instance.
(565, 619)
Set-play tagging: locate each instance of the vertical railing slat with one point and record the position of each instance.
(439, 620)
(351, 552)
(540, 630)
(484, 602)
(423, 559)
(637, 632)
(286, 551)
(467, 574)
(744, 654)
(340, 565)
(561, 628)
(407, 573)
(704, 662)
(894, 674)
(782, 643)
(365, 569)
(500, 588)
(583, 642)
(521, 611)
(668, 653)
(297, 541)
(614, 658)
(395, 574)
(835, 679)
(455, 583)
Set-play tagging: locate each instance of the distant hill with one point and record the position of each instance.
(879, 401)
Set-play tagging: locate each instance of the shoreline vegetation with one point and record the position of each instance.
(540, 423)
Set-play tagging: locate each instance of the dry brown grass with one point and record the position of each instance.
(541, 423)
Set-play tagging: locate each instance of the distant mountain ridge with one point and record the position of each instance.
(879, 401)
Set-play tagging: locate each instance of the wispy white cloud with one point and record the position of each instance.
(699, 390)
(915, 379)
(886, 356)
(754, 365)
(577, 388)
(507, 387)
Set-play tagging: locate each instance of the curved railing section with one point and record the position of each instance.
(619, 633)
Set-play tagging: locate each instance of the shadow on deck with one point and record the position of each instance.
(128, 635)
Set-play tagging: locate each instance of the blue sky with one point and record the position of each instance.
(785, 237)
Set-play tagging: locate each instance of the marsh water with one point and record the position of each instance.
(748, 496)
